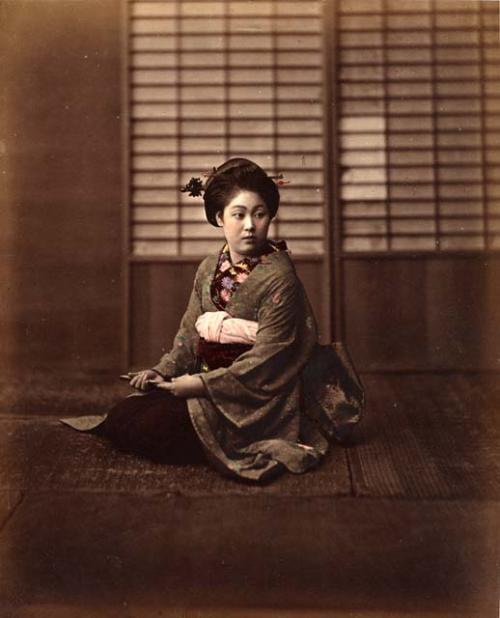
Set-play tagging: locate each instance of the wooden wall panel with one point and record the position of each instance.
(384, 308)
(490, 325)
(159, 296)
(60, 187)
(430, 313)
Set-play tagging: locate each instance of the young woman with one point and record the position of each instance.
(245, 379)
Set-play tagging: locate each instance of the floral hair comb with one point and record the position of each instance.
(195, 187)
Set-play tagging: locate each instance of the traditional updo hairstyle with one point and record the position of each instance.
(230, 178)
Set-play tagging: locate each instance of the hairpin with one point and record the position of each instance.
(280, 180)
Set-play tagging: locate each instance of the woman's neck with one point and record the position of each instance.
(238, 257)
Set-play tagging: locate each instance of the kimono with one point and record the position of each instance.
(280, 403)
(277, 406)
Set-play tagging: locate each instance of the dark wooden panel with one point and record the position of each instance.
(159, 295)
(384, 306)
(426, 313)
(463, 312)
(60, 193)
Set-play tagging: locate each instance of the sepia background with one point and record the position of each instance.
(384, 116)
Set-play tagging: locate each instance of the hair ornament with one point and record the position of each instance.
(280, 180)
(195, 186)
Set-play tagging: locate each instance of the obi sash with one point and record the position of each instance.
(214, 355)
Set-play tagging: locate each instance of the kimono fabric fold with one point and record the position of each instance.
(273, 406)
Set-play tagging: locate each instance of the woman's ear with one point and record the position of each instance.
(219, 218)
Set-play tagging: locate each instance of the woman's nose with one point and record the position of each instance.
(249, 223)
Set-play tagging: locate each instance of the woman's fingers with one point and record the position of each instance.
(144, 379)
(144, 382)
(134, 381)
(166, 386)
(156, 380)
(139, 380)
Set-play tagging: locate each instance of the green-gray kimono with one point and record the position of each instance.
(277, 404)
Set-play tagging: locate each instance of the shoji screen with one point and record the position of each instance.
(213, 79)
(419, 124)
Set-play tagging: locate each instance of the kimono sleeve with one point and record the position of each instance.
(245, 391)
(182, 357)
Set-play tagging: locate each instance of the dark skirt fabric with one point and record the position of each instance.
(155, 425)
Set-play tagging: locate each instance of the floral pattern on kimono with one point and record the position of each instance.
(228, 276)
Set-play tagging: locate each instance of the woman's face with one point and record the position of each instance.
(245, 222)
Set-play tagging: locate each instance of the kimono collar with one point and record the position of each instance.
(249, 263)
(228, 276)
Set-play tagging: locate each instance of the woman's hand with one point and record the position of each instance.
(186, 386)
(145, 379)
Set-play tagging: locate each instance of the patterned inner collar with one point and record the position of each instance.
(251, 261)
(228, 276)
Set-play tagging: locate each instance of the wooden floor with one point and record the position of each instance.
(401, 522)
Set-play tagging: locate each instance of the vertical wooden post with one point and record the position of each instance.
(332, 264)
(125, 193)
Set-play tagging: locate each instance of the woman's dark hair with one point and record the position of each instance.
(238, 175)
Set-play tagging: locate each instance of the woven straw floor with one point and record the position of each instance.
(401, 522)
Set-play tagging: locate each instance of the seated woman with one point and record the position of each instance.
(245, 370)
